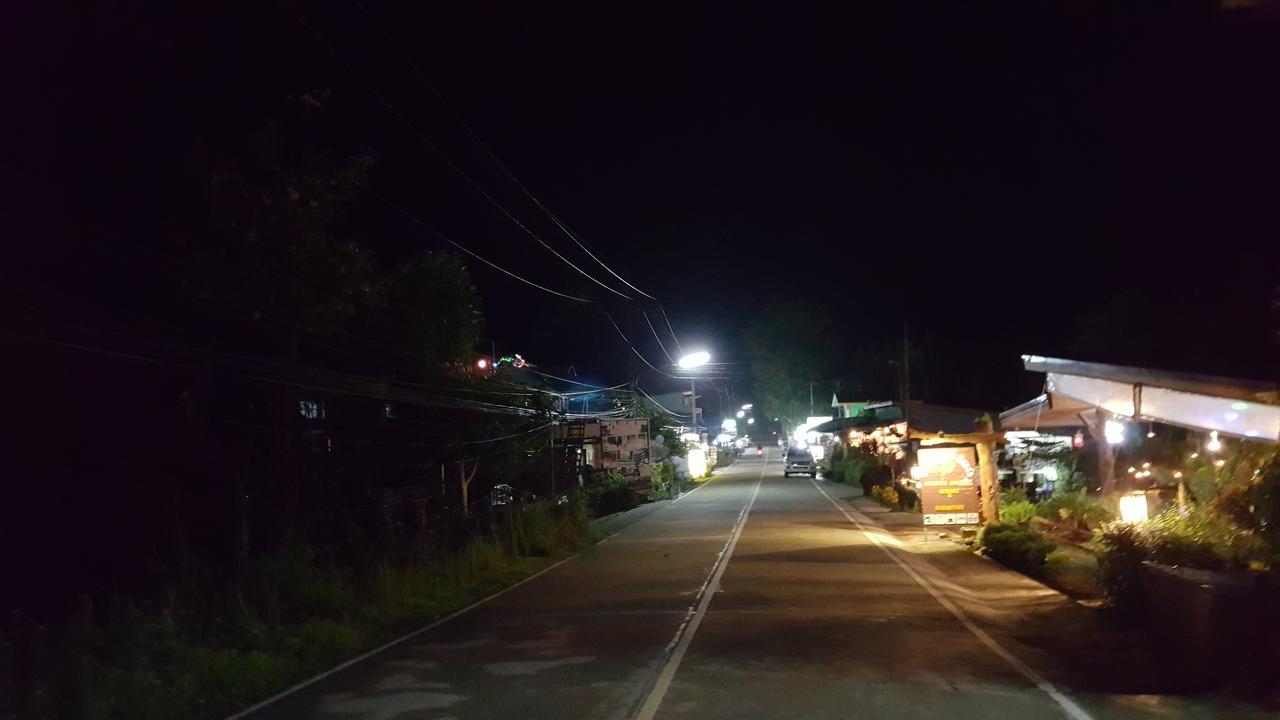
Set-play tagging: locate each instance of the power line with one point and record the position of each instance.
(655, 337)
(659, 405)
(502, 166)
(490, 263)
(454, 166)
(633, 347)
(672, 330)
(575, 382)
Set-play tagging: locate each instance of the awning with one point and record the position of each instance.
(883, 416)
(1045, 411)
(1244, 408)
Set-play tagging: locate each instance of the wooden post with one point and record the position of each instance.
(1096, 423)
(989, 484)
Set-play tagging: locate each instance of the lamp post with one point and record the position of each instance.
(689, 362)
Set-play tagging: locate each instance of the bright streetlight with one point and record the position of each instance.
(694, 359)
(742, 413)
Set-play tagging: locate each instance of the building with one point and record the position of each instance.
(600, 445)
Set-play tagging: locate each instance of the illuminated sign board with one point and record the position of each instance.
(949, 488)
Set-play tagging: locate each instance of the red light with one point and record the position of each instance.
(1077, 440)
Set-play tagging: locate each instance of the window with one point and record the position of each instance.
(311, 409)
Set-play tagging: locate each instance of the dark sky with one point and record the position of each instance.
(997, 176)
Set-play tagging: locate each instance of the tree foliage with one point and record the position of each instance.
(431, 296)
(788, 348)
(271, 245)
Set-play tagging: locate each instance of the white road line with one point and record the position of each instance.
(684, 634)
(310, 681)
(1068, 705)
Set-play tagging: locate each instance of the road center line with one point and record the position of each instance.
(684, 634)
(1068, 705)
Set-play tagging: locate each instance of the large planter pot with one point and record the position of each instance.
(1212, 625)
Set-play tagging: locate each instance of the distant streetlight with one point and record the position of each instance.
(751, 421)
(748, 406)
(742, 413)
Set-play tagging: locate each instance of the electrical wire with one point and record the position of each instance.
(633, 347)
(502, 166)
(655, 337)
(660, 406)
(454, 166)
(575, 382)
(491, 264)
(671, 329)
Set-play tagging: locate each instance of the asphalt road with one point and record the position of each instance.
(815, 613)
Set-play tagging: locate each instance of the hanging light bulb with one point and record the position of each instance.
(1114, 432)
(1214, 444)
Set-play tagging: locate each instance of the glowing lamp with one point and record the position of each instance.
(751, 421)
(742, 413)
(1214, 444)
(1133, 507)
(697, 462)
(1077, 440)
(694, 359)
(1114, 432)
(482, 363)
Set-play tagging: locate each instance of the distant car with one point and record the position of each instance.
(799, 462)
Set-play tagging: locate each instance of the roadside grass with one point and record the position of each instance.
(205, 651)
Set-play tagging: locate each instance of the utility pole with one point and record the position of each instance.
(811, 396)
(553, 462)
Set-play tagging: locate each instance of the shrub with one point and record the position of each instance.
(908, 498)
(874, 475)
(885, 495)
(1017, 512)
(611, 492)
(1072, 570)
(1016, 547)
(1075, 509)
(1197, 539)
(1120, 556)
(660, 480)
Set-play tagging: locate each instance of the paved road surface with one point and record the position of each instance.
(816, 614)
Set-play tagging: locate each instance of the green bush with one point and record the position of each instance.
(1016, 547)
(908, 498)
(611, 492)
(660, 480)
(1198, 538)
(885, 495)
(1017, 512)
(1075, 509)
(1120, 556)
(1073, 570)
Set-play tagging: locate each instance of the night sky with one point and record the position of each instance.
(1000, 178)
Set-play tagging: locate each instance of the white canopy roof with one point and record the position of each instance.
(1243, 408)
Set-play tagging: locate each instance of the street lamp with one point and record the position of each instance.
(688, 362)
